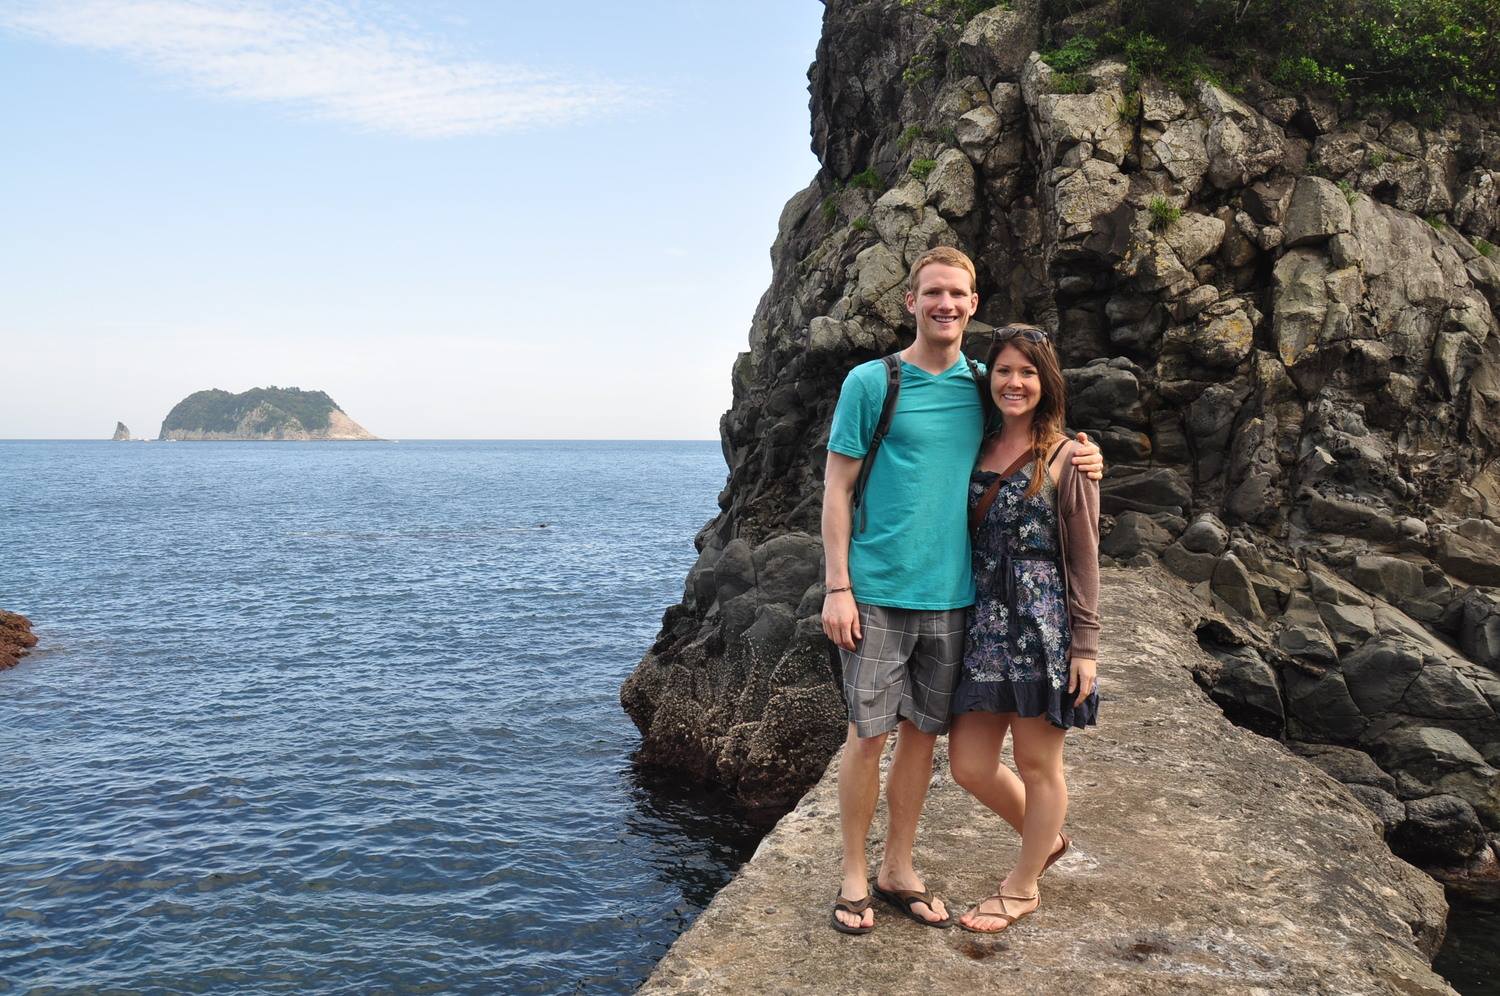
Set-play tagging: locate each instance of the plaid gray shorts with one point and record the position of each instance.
(904, 667)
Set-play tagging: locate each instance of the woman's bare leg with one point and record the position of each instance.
(1037, 746)
(974, 745)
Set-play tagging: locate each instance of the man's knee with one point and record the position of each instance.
(909, 734)
(864, 747)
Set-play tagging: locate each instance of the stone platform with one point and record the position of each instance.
(1207, 860)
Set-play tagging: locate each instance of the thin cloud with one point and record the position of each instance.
(326, 58)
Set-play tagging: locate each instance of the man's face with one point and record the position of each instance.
(943, 304)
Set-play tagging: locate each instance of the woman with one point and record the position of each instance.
(1031, 656)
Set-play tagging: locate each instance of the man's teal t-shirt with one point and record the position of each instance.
(914, 551)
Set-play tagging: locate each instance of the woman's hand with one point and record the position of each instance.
(1083, 675)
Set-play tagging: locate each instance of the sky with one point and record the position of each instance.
(461, 219)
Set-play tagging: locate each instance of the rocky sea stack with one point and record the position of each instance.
(1278, 314)
(122, 433)
(16, 638)
(262, 413)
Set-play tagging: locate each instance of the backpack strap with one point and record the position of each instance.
(882, 426)
(982, 383)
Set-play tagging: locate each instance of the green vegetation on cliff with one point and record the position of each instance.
(1411, 55)
(216, 411)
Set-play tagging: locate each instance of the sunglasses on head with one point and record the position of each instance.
(1026, 332)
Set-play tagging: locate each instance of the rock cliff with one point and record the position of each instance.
(122, 434)
(1206, 860)
(262, 413)
(1278, 315)
(16, 638)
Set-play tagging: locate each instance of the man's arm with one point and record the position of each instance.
(840, 615)
(1087, 460)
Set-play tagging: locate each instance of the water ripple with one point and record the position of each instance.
(326, 718)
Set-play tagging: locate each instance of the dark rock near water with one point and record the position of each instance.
(1390, 811)
(1249, 692)
(16, 638)
(122, 434)
(1440, 829)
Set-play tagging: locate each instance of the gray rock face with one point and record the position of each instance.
(1214, 806)
(1313, 365)
(1317, 213)
(122, 434)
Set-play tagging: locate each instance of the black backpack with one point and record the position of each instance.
(883, 426)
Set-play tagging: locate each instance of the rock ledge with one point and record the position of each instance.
(1208, 859)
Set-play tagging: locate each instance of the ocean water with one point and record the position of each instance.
(343, 717)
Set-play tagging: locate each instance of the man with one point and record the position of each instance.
(897, 590)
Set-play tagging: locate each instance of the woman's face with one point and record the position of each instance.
(1015, 384)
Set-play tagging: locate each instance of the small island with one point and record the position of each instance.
(261, 413)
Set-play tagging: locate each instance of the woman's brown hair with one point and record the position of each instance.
(1047, 420)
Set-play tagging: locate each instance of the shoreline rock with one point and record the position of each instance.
(1207, 859)
(16, 638)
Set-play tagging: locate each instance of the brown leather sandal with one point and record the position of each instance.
(855, 906)
(1067, 842)
(1009, 917)
(904, 899)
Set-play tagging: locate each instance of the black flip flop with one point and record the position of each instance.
(904, 899)
(855, 906)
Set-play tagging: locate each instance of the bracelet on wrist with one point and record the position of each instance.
(835, 591)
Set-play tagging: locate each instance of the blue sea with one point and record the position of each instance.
(323, 717)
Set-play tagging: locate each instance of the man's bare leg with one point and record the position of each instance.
(905, 791)
(859, 791)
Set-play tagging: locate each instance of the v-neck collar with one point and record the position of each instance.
(957, 364)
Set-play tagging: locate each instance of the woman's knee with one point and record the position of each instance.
(969, 768)
(1038, 765)
(1036, 772)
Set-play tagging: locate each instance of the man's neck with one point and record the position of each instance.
(931, 357)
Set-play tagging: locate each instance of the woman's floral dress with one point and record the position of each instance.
(1016, 652)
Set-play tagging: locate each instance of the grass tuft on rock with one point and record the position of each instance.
(1164, 213)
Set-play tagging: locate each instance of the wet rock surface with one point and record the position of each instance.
(16, 638)
(1295, 379)
(1207, 859)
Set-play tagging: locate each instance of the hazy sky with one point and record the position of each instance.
(460, 218)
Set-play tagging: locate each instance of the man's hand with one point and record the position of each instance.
(1083, 677)
(1088, 460)
(841, 619)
